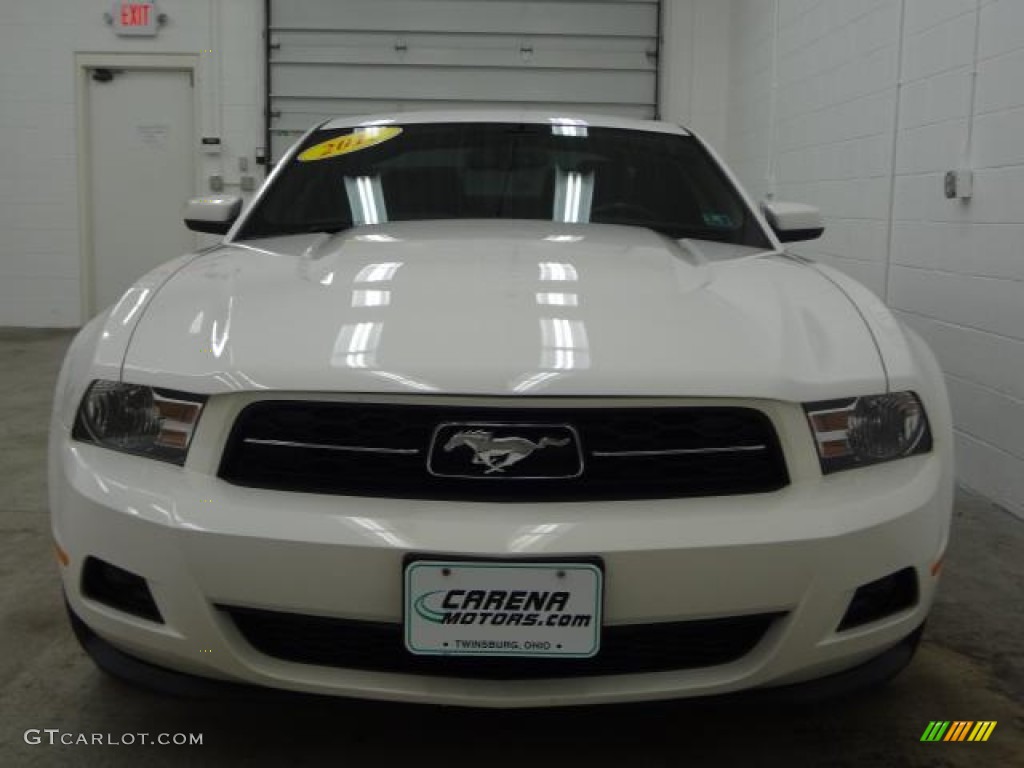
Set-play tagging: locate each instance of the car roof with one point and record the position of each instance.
(541, 117)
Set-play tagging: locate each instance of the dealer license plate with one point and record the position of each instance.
(461, 608)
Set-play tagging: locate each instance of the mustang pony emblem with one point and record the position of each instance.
(496, 453)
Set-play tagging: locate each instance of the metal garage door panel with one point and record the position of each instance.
(493, 50)
(592, 17)
(329, 58)
(471, 84)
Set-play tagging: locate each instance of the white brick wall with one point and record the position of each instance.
(39, 252)
(749, 128)
(872, 104)
(695, 67)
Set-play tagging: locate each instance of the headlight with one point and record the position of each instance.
(867, 430)
(134, 419)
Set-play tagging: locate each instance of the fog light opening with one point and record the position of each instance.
(881, 598)
(119, 589)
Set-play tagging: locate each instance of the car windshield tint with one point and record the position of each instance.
(569, 173)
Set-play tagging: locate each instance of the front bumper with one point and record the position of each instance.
(873, 672)
(200, 542)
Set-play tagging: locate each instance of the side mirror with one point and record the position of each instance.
(213, 215)
(793, 221)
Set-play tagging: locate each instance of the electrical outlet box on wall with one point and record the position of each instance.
(959, 184)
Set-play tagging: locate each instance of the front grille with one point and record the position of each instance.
(377, 646)
(369, 449)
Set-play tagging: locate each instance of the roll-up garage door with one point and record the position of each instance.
(328, 58)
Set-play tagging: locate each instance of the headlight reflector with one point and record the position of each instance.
(868, 430)
(158, 423)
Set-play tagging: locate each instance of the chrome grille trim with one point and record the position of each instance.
(682, 451)
(328, 447)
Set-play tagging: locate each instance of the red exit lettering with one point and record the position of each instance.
(135, 15)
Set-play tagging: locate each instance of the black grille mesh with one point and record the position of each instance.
(626, 649)
(411, 427)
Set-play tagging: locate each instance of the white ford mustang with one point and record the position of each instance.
(500, 409)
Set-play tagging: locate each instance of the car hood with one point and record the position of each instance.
(503, 308)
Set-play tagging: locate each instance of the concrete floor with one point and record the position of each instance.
(969, 668)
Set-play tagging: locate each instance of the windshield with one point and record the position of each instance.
(571, 173)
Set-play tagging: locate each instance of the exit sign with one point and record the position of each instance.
(135, 19)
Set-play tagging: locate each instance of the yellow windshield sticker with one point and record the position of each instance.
(350, 142)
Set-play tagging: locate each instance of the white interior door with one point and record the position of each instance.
(142, 160)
